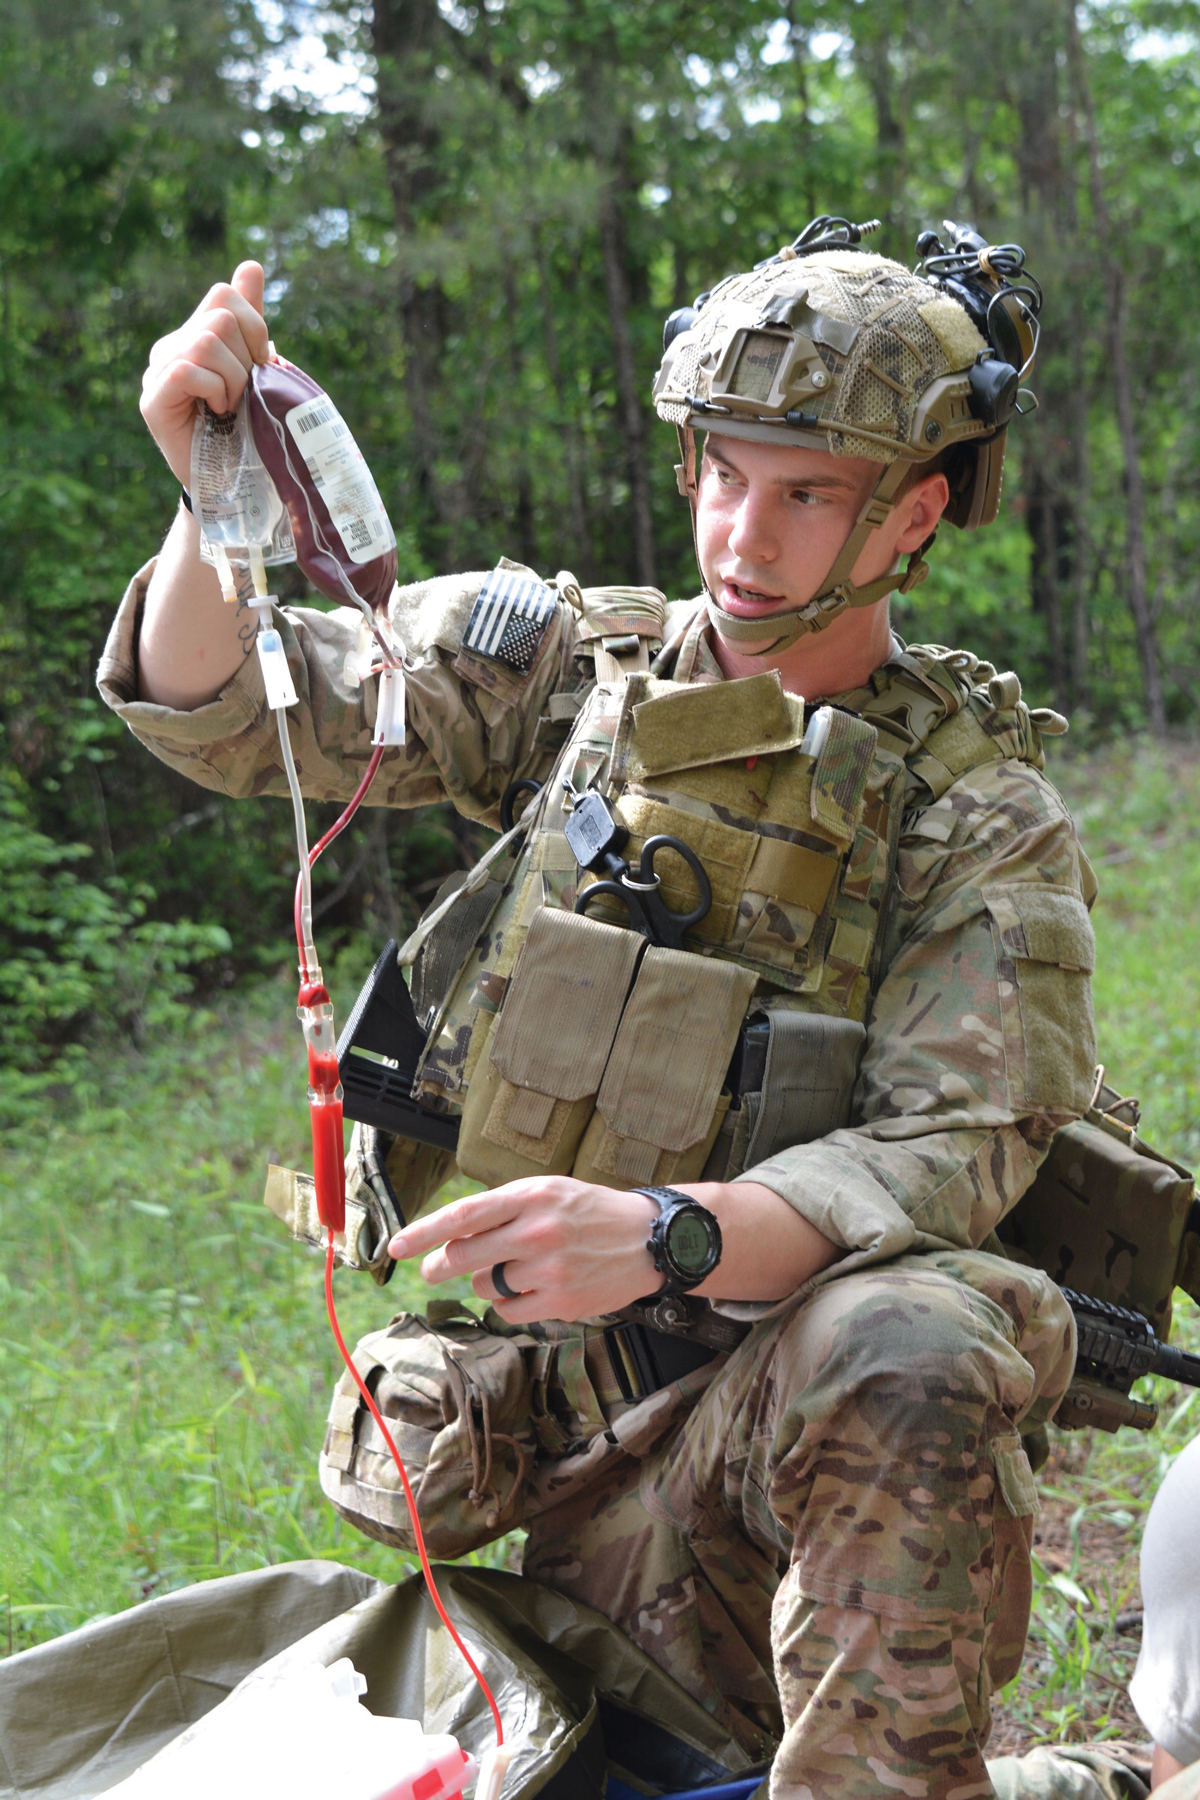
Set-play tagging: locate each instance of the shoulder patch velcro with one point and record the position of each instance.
(511, 616)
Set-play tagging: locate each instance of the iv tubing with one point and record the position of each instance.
(303, 912)
(418, 1535)
(303, 904)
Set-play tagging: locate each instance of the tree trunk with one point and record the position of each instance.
(798, 48)
(1135, 493)
(573, 454)
(629, 404)
(1044, 522)
(405, 36)
(1032, 82)
(1080, 557)
(874, 58)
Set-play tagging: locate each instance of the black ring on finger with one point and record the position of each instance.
(501, 1286)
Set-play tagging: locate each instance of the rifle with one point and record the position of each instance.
(1116, 1347)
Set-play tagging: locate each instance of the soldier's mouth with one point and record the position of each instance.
(748, 602)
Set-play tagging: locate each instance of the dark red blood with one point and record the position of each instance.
(276, 387)
(312, 994)
(329, 1168)
(322, 1072)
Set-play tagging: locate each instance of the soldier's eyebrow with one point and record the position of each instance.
(841, 483)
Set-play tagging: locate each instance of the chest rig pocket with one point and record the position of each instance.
(774, 809)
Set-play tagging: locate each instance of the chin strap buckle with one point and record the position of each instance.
(876, 512)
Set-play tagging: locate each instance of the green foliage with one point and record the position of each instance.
(1135, 805)
(73, 950)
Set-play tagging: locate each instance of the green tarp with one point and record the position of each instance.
(79, 1714)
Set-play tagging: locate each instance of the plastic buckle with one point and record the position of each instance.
(876, 512)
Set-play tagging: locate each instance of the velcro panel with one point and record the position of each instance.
(673, 1047)
(561, 1010)
(1045, 953)
(1046, 924)
(686, 727)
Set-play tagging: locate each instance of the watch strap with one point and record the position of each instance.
(669, 1201)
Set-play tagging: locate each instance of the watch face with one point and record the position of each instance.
(689, 1242)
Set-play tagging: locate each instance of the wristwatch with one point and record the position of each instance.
(685, 1240)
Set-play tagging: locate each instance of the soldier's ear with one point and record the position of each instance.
(922, 506)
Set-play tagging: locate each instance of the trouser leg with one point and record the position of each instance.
(867, 1442)
(1072, 1772)
(705, 1621)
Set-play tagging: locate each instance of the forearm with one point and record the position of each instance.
(768, 1249)
(192, 640)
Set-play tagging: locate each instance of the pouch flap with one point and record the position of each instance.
(686, 727)
(673, 1047)
(620, 611)
(840, 776)
(1042, 923)
(563, 1003)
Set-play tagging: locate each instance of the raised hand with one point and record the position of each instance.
(207, 358)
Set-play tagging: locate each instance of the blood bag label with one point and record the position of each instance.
(340, 475)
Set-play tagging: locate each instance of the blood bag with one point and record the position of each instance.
(282, 476)
(344, 540)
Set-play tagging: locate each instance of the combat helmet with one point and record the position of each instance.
(832, 347)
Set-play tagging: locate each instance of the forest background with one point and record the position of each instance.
(474, 219)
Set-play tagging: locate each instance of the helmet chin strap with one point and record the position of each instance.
(760, 637)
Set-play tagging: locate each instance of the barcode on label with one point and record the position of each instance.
(316, 415)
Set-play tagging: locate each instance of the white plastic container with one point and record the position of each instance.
(301, 1733)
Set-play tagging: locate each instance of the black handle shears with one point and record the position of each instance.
(597, 838)
(648, 911)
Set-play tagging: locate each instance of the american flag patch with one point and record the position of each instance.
(510, 618)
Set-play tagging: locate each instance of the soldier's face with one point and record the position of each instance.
(771, 519)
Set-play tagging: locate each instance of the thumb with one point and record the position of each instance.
(248, 281)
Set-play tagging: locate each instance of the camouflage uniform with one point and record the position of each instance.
(825, 1536)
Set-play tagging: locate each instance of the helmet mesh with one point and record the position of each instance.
(880, 380)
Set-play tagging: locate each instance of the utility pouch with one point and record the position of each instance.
(535, 1084)
(792, 1077)
(808, 1081)
(661, 1102)
(1110, 1217)
(457, 1397)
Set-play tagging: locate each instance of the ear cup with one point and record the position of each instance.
(994, 387)
(682, 319)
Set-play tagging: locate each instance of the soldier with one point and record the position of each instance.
(823, 1532)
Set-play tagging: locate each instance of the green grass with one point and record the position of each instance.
(1138, 809)
(166, 1364)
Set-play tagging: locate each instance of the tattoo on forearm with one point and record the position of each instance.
(247, 618)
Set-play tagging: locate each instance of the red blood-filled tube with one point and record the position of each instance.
(329, 1168)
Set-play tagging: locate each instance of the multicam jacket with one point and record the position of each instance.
(956, 928)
